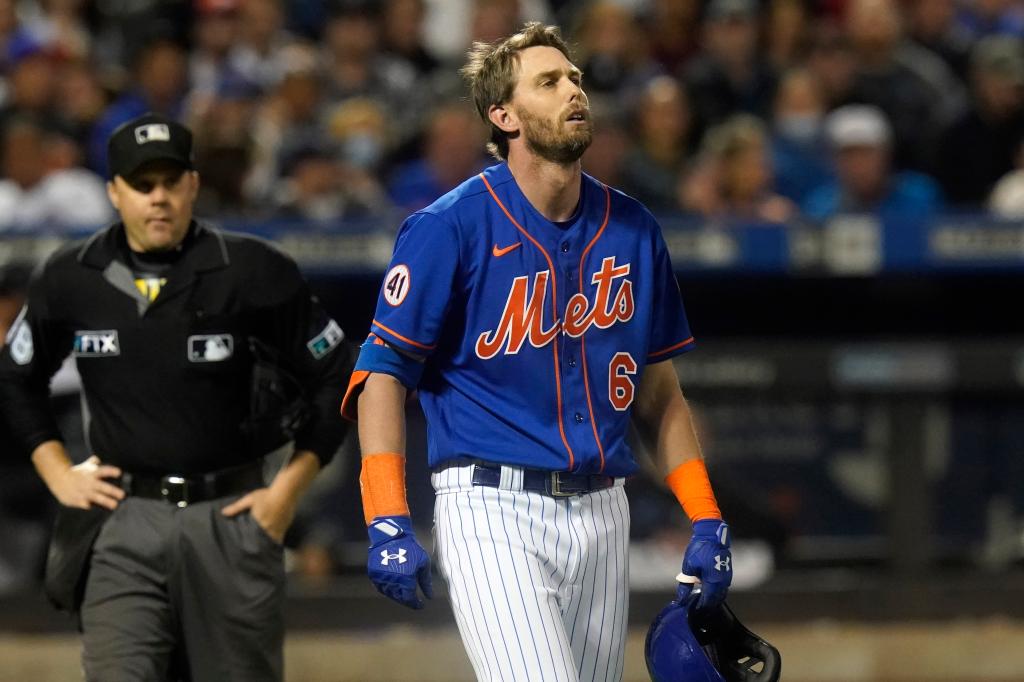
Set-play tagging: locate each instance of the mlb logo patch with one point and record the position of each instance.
(153, 132)
(96, 343)
(210, 347)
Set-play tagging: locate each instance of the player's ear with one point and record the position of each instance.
(503, 117)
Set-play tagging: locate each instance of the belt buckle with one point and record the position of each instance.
(175, 490)
(556, 487)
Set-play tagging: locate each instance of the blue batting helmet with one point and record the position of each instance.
(686, 645)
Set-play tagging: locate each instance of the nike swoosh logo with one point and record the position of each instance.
(498, 253)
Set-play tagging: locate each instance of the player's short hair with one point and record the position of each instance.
(491, 71)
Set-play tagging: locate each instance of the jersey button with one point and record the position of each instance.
(565, 247)
(579, 418)
(572, 362)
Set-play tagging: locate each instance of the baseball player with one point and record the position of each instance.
(536, 312)
(183, 569)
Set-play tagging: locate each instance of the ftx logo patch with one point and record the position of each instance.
(96, 343)
(210, 347)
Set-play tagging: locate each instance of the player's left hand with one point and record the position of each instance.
(708, 557)
(273, 512)
(396, 562)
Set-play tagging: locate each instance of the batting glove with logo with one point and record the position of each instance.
(397, 562)
(708, 557)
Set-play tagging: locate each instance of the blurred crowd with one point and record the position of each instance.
(320, 110)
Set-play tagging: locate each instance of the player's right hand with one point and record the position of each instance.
(397, 563)
(82, 485)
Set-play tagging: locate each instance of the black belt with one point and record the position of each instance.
(554, 483)
(185, 490)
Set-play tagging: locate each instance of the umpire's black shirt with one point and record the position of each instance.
(166, 382)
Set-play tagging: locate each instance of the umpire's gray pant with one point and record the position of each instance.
(183, 594)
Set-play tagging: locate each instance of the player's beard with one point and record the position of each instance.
(555, 142)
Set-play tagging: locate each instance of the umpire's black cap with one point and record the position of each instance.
(150, 137)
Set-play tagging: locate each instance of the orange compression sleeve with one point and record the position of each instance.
(382, 485)
(692, 487)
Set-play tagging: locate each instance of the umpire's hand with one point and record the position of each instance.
(272, 510)
(83, 485)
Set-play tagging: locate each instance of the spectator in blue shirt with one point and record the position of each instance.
(161, 75)
(800, 153)
(452, 145)
(995, 17)
(861, 142)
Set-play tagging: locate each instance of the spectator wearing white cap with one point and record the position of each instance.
(1007, 199)
(861, 141)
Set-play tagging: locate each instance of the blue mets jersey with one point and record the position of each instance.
(535, 333)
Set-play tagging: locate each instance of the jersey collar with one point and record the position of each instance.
(505, 185)
(204, 248)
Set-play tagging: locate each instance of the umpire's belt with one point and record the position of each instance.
(554, 483)
(182, 491)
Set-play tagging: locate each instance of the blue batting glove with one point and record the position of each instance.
(708, 557)
(396, 562)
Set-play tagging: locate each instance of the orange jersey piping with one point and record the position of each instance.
(402, 338)
(671, 348)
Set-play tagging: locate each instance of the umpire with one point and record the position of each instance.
(185, 578)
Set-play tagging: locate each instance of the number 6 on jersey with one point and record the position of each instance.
(620, 387)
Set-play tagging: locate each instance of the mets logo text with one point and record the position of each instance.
(523, 317)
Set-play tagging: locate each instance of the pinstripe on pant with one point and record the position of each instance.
(538, 584)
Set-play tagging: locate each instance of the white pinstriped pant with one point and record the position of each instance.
(538, 584)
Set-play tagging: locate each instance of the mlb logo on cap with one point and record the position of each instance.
(145, 139)
(152, 132)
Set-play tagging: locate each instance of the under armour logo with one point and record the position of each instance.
(385, 557)
(722, 564)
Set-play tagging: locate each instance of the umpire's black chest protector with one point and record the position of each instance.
(167, 383)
